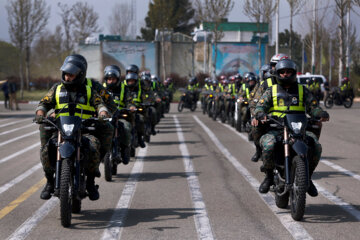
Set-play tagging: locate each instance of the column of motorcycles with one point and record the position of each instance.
(73, 151)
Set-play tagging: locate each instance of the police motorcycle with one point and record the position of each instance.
(291, 154)
(166, 101)
(113, 157)
(239, 125)
(187, 100)
(230, 114)
(145, 110)
(211, 105)
(71, 151)
(334, 97)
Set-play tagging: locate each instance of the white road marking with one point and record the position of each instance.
(18, 179)
(16, 129)
(19, 137)
(114, 231)
(294, 228)
(202, 221)
(340, 169)
(12, 123)
(31, 147)
(25, 229)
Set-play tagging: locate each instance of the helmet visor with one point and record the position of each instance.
(69, 67)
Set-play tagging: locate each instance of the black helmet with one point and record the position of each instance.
(193, 81)
(131, 76)
(264, 69)
(112, 71)
(145, 80)
(132, 68)
(74, 64)
(146, 73)
(251, 78)
(154, 78)
(282, 65)
(215, 82)
(248, 74)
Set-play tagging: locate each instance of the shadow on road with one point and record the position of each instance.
(332, 158)
(327, 213)
(330, 174)
(151, 176)
(171, 143)
(100, 219)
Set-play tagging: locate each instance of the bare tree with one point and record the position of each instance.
(295, 7)
(67, 20)
(214, 11)
(27, 18)
(85, 21)
(120, 19)
(261, 11)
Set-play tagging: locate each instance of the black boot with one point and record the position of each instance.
(268, 181)
(125, 154)
(141, 141)
(91, 188)
(257, 155)
(312, 191)
(153, 131)
(49, 187)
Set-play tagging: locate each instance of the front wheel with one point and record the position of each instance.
(348, 102)
(193, 107)
(299, 188)
(65, 193)
(282, 201)
(181, 106)
(108, 167)
(328, 102)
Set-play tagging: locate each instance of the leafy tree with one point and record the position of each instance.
(120, 19)
(168, 14)
(296, 43)
(9, 66)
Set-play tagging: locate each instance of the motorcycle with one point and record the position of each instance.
(291, 154)
(231, 110)
(145, 110)
(166, 101)
(334, 97)
(187, 100)
(239, 125)
(113, 158)
(71, 149)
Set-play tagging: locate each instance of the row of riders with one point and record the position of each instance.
(251, 103)
(124, 113)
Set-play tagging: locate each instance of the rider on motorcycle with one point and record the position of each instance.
(288, 94)
(245, 95)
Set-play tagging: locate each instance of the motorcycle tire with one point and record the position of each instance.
(114, 169)
(180, 106)
(167, 108)
(108, 167)
(76, 205)
(282, 201)
(328, 102)
(299, 189)
(223, 115)
(193, 107)
(348, 102)
(65, 193)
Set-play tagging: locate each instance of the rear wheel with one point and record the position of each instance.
(348, 102)
(193, 106)
(65, 193)
(181, 106)
(108, 167)
(328, 102)
(299, 188)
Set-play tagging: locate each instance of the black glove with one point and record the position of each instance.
(260, 116)
(39, 119)
(325, 115)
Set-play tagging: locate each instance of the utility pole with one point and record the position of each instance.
(205, 43)
(348, 42)
(314, 39)
(330, 62)
(277, 28)
(321, 57)
(303, 56)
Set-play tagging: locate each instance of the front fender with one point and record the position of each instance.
(300, 148)
(66, 150)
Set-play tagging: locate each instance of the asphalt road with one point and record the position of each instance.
(194, 180)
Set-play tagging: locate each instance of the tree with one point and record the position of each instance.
(9, 66)
(67, 24)
(85, 21)
(120, 19)
(177, 15)
(27, 18)
(214, 11)
(261, 11)
(295, 7)
(284, 41)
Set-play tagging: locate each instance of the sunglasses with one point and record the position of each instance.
(286, 71)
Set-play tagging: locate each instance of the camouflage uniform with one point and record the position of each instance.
(268, 140)
(46, 104)
(247, 94)
(230, 91)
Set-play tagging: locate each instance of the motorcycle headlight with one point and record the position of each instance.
(68, 129)
(124, 115)
(140, 109)
(211, 95)
(296, 126)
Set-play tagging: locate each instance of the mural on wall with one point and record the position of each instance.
(143, 54)
(238, 57)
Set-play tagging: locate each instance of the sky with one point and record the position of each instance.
(104, 8)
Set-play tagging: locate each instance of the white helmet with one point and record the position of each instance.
(276, 58)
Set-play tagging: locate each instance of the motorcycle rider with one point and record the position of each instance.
(116, 88)
(267, 80)
(287, 92)
(72, 89)
(246, 94)
(169, 86)
(157, 88)
(193, 87)
(150, 97)
(346, 89)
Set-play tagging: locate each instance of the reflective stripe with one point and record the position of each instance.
(89, 82)
(120, 103)
(279, 111)
(104, 85)
(138, 99)
(62, 109)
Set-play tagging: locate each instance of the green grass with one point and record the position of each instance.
(35, 95)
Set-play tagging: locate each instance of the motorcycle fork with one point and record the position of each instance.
(115, 141)
(287, 157)
(77, 163)
(58, 163)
